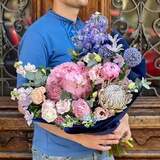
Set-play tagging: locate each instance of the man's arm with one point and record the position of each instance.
(96, 142)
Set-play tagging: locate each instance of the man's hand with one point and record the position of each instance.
(96, 142)
(123, 129)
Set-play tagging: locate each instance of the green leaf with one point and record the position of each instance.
(91, 63)
(65, 95)
(91, 102)
(75, 55)
(88, 124)
(36, 110)
(122, 76)
(38, 75)
(69, 121)
(145, 83)
(30, 76)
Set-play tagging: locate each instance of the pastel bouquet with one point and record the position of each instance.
(91, 93)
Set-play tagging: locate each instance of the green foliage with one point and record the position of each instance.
(36, 110)
(37, 79)
(75, 55)
(143, 83)
(69, 121)
(121, 148)
(88, 123)
(65, 95)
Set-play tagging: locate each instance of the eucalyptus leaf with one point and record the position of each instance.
(38, 75)
(30, 76)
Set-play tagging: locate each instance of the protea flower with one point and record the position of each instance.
(114, 98)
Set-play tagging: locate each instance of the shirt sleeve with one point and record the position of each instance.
(32, 49)
(136, 72)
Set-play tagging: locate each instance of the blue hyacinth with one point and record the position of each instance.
(132, 57)
(93, 36)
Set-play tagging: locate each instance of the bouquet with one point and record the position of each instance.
(91, 93)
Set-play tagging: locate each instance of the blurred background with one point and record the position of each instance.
(137, 20)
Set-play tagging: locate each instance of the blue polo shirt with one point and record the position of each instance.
(47, 43)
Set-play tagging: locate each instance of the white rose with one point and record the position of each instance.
(49, 112)
(63, 106)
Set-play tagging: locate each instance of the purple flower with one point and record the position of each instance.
(132, 57)
(119, 60)
(105, 52)
(93, 36)
(23, 96)
(28, 117)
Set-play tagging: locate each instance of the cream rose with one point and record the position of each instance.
(37, 95)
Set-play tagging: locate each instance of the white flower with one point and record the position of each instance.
(63, 106)
(14, 94)
(87, 57)
(49, 113)
(17, 64)
(114, 47)
(30, 68)
(97, 13)
(20, 70)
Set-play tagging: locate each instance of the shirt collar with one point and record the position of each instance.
(64, 18)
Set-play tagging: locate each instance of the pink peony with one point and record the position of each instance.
(101, 114)
(80, 108)
(77, 84)
(63, 106)
(71, 77)
(94, 74)
(49, 113)
(110, 71)
(54, 91)
(59, 120)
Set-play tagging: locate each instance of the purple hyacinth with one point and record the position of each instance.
(93, 36)
(132, 57)
(98, 21)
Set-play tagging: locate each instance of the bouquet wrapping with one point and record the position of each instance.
(88, 95)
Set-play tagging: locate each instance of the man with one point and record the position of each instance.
(47, 42)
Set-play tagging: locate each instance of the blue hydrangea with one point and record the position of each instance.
(132, 57)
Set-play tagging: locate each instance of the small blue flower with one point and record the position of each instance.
(132, 57)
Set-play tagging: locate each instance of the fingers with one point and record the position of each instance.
(109, 142)
(103, 148)
(127, 135)
(110, 137)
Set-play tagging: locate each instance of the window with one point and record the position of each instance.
(15, 17)
(139, 22)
